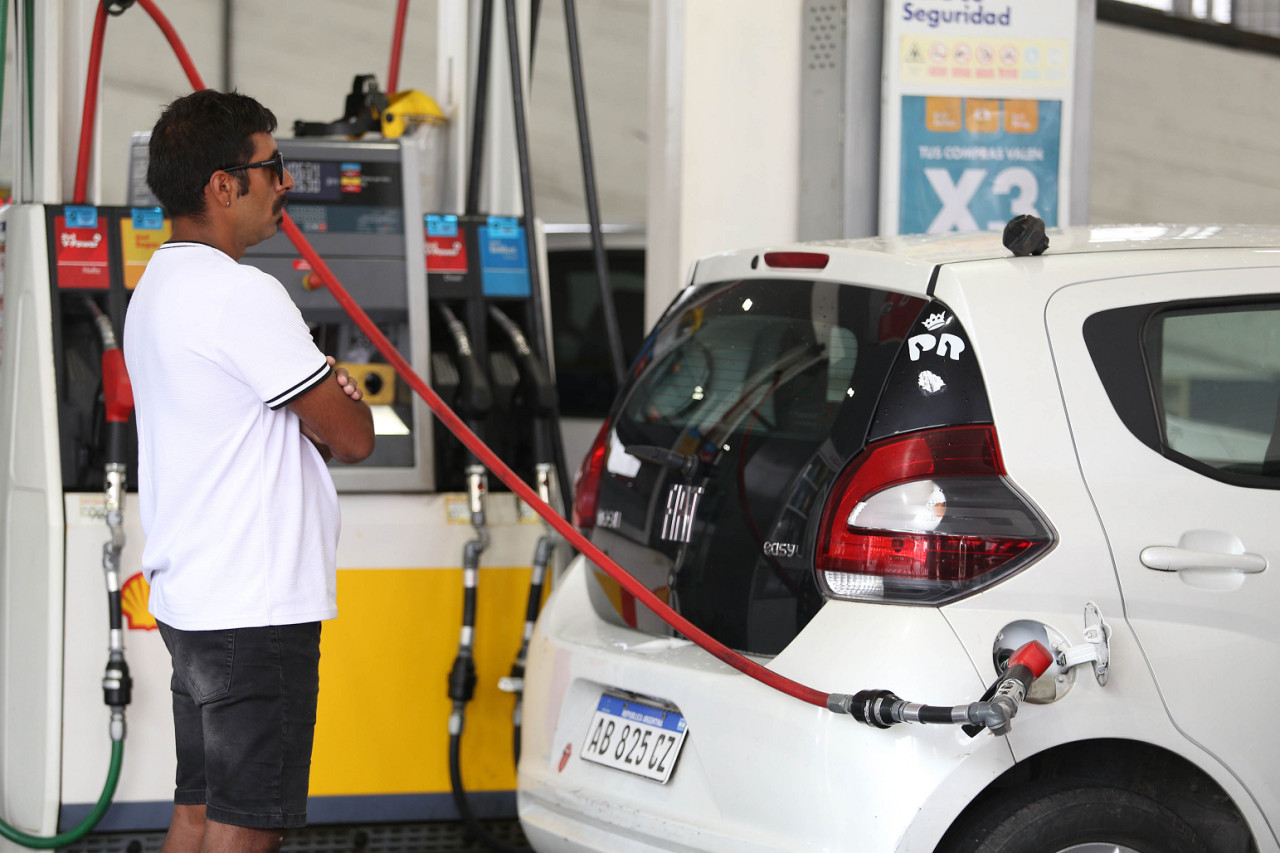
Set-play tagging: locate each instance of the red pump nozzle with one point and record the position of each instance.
(116, 388)
(1025, 665)
(1034, 656)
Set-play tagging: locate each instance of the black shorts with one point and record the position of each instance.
(244, 716)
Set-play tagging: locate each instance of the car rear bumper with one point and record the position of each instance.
(759, 770)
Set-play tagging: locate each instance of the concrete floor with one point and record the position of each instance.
(433, 837)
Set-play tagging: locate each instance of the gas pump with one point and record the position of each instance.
(69, 292)
(379, 754)
(359, 204)
(478, 271)
(380, 759)
(83, 290)
(476, 264)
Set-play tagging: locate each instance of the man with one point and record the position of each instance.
(237, 413)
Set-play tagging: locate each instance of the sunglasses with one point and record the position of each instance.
(276, 162)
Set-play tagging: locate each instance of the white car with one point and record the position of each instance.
(886, 465)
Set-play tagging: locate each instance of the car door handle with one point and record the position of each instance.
(1168, 558)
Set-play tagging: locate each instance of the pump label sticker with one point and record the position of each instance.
(81, 216)
(140, 236)
(504, 262)
(441, 225)
(446, 249)
(81, 252)
(147, 218)
(457, 509)
(351, 179)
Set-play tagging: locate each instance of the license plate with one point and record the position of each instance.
(635, 737)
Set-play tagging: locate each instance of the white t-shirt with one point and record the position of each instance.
(239, 510)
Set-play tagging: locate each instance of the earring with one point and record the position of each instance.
(228, 204)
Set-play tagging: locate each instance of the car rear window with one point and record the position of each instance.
(753, 396)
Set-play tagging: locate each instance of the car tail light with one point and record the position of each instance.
(797, 260)
(586, 486)
(926, 518)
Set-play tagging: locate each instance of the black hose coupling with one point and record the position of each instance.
(117, 685)
(876, 707)
(462, 678)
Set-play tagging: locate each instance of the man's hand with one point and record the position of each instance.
(351, 389)
(337, 428)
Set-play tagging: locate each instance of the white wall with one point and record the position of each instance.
(724, 83)
(1183, 131)
(614, 37)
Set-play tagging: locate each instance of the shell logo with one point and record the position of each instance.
(133, 603)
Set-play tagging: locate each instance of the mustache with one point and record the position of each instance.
(279, 205)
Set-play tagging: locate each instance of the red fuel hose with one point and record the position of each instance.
(90, 104)
(490, 460)
(179, 50)
(95, 71)
(455, 425)
(397, 45)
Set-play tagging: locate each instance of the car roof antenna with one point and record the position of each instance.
(1024, 235)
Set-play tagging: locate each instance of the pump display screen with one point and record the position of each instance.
(346, 196)
(345, 182)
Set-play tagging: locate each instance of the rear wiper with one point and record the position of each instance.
(685, 463)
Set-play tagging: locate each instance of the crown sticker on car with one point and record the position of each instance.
(934, 322)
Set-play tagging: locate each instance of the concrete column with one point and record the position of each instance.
(724, 125)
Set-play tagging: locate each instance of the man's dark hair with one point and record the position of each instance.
(195, 136)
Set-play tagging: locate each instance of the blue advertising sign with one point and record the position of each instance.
(981, 119)
(973, 163)
(504, 262)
